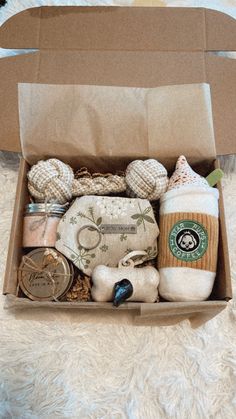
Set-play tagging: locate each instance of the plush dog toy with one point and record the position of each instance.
(188, 240)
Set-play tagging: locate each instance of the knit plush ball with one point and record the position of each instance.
(51, 180)
(146, 179)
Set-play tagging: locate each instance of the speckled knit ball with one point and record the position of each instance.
(146, 179)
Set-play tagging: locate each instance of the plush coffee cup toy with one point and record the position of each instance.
(188, 240)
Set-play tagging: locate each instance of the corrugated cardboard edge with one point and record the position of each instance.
(223, 232)
(15, 242)
(171, 313)
(143, 314)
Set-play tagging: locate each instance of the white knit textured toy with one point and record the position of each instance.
(188, 240)
(145, 280)
(53, 180)
(146, 179)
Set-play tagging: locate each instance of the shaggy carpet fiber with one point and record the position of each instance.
(57, 364)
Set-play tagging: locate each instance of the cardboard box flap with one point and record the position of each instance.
(221, 75)
(13, 70)
(120, 69)
(120, 28)
(145, 68)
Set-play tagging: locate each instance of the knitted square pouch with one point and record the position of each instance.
(100, 230)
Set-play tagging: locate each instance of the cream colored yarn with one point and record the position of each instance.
(53, 180)
(146, 179)
(98, 185)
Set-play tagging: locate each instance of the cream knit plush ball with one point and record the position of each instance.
(146, 179)
(51, 180)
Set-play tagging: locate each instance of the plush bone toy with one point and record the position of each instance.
(144, 280)
(188, 236)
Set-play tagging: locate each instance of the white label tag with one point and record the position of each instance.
(118, 228)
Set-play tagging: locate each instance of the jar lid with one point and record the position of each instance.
(45, 208)
(45, 275)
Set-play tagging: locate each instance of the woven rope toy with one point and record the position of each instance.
(146, 179)
(53, 180)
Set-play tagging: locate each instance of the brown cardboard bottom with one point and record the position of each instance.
(163, 313)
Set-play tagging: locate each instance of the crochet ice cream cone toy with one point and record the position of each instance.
(188, 240)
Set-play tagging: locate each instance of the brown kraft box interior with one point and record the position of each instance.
(133, 47)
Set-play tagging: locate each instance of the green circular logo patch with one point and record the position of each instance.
(188, 240)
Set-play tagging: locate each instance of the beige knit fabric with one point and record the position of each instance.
(146, 179)
(53, 180)
(98, 185)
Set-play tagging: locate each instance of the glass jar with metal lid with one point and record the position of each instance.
(40, 224)
(45, 275)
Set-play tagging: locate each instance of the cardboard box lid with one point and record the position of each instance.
(120, 28)
(144, 47)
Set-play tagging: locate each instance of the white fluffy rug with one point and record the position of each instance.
(70, 365)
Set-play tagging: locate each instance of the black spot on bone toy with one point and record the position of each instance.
(122, 290)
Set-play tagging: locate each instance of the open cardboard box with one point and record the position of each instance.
(136, 47)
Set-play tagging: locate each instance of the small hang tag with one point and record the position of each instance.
(118, 228)
(214, 177)
(127, 260)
